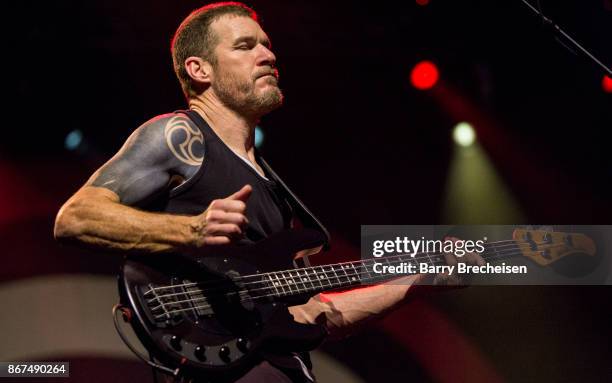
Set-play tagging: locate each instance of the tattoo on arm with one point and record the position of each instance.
(163, 147)
(181, 136)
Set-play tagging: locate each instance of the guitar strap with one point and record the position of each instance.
(307, 218)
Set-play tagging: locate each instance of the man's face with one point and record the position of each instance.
(245, 78)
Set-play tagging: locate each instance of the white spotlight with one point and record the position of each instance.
(464, 134)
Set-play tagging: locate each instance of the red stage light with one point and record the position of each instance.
(422, 2)
(606, 84)
(424, 75)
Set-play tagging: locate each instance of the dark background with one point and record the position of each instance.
(357, 142)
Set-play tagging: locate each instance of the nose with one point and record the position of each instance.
(266, 56)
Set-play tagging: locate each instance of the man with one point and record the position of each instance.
(186, 182)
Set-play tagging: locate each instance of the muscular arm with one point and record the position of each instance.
(103, 212)
(343, 312)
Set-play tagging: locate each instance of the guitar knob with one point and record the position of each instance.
(242, 344)
(546, 254)
(224, 353)
(200, 353)
(175, 342)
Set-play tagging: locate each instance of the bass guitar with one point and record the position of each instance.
(211, 315)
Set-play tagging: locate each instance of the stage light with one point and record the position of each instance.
(259, 137)
(424, 75)
(475, 193)
(73, 139)
(422, 2)
(464, 134)
(606, 84)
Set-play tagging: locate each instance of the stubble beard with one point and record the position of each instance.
(242, 97)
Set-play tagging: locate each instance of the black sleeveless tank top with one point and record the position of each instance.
(221, 174)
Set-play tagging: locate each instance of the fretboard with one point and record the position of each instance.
(316, 279)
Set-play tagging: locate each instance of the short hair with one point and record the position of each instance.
(194, 37)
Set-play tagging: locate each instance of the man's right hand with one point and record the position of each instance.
(224, 221)
(103, 214)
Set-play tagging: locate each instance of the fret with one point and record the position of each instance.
(418, 260)
(296, 284)
(495, 250)
(340, 275)
(365, 266)
(330, 279)
(399, 260)
(288, 283)
(426, 258)
(357, 276)
(279, 283)
(323, 277)
(274, 284)
(334, 278)
(415, 262)
(306, 277)
(377, 278)
(309, 277)
(438, 259)
(317, 278)
(367, 269)
(344, 277)
(300, 280)
(387, 260)
(344, 267)
(429, 259)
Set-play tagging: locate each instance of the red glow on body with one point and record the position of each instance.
(424, 75)
(606, 84)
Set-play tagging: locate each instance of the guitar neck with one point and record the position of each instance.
(316, 279)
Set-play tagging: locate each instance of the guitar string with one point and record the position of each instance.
(259, 277)
(327, 279)
(335, 268)
(338, 274)
(330, 286)
(339, 271)
(493, 245)
(422, 255)
(492, 252)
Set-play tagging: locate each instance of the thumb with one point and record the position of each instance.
(242, 194)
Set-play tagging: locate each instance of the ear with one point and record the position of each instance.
(199, 70)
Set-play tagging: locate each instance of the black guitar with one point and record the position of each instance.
(211, 315)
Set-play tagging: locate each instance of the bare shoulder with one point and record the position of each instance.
(169, 140)
(165, 145)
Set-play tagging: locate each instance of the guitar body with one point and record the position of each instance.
(211, 314)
